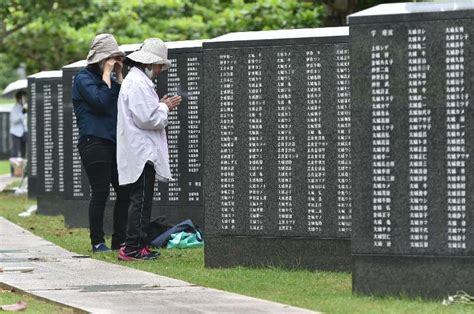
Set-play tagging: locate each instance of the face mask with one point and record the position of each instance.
(149, 73)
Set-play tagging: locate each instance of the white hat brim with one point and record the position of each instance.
(149, 58)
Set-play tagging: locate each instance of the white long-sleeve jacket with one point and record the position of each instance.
(17, 121)
(141, 135)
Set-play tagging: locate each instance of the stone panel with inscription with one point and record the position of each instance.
(183, 196)
(413, 222)
(5, 132)
(49, 141)
(76, 185)
(32, 157)
(278, 149)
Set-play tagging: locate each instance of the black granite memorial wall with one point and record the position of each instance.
(277, 136)
(32, 157)
(5, 132)
(49, 142)
(77, 185)
(413, 172)
(181, 198)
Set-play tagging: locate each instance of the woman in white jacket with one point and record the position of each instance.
(142, 148)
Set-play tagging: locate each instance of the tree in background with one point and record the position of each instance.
(338, 10)
(45, 35)
(39, 34)
(7, 72)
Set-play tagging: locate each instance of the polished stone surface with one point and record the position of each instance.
(5, 132)
(277, 142)
(49, 141)
(286, 252)
(411, 88)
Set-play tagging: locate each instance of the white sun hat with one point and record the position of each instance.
(152, 51)
(103, 46)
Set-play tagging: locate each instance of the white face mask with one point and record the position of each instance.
(149, 73)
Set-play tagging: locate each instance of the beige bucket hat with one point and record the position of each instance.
(152, 51)
(103, 46)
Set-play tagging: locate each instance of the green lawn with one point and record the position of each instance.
(4, 166)
(6, 101)
(33, 305)
(320, 291)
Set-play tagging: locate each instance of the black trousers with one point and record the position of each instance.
(17, 147)
(139, 214)
(98, 157)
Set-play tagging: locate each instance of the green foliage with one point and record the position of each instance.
(7, 101)
(7, 72)
(364, 4)
(46, 35)
(37, 32)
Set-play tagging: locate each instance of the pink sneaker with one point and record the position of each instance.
(143, 254)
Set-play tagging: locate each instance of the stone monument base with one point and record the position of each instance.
(287, 252)
(50, 205)
(76, 214)
(32, 182)
(424, 276)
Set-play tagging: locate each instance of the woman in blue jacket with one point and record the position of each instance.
(94, 96)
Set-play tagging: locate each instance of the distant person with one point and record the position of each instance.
(142, 147)
(18, 130)
(94, 96)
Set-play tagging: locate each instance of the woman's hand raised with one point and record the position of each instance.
(172, 101)
(108, 67)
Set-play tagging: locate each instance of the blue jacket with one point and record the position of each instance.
(95, 105)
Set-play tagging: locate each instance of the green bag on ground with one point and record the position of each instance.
(183, 240)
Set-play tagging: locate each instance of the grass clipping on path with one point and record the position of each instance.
(319, 291)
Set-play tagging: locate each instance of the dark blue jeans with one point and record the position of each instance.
(98, 157)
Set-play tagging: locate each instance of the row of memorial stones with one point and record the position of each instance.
(57, 178)
(293, 143)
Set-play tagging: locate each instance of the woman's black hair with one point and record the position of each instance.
(131, 63)
(20, 94)
(94, 67)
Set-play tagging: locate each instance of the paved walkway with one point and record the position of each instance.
(99, 287)
(6, 179)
